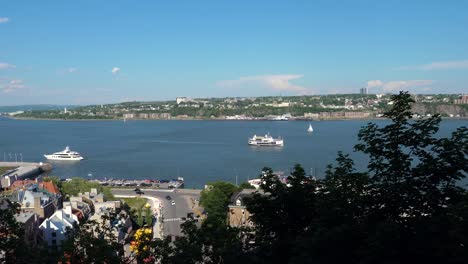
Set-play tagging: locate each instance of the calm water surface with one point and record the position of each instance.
(199, 151)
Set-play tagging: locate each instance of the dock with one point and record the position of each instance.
(21, 171)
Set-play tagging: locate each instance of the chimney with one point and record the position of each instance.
(37, 206)
(68, 210)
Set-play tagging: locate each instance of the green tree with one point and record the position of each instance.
(246, 185)
(281, 214)
(140, 220)
(216, 199)
(205, 243)
(413, 177)
(93, 242)
(11, 232)
(148, 216)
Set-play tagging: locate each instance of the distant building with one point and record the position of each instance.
(129, 116)
(462, 100)
(357, 115)
(363, 90)
(183, 100)
(311, 115)
(143, 116)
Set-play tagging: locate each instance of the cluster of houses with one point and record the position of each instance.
(46, 217)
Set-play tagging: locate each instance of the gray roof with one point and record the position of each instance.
(242, 194)
(24, 217)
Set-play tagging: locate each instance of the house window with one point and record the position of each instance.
(54, 234)
(54, 242)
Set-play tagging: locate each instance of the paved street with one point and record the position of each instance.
(173, 214)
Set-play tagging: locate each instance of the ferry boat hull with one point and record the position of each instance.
(55, 157)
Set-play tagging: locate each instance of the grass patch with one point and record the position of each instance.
(79, 185)
(135, 203)
(4, 169)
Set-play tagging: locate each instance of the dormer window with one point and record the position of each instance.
(238, 202)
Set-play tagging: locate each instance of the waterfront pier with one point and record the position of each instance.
(21, 171)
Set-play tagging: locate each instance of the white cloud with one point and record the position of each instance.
(72, 70)
(399, 85)
(12, 85)
(4, 20)
(374, 83)
(274, 82)
(115, 70)
(441, 65)
(4, 66)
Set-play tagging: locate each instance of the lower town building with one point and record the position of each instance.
(238, 215)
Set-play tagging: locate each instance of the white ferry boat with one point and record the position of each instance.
(266, 140)
(65, 154)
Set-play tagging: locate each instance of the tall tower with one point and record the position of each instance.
(363, 90)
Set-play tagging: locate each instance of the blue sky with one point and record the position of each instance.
(87, 52)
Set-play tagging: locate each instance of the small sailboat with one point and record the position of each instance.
(310, 129)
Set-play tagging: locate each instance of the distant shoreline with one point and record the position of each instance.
(212, 119)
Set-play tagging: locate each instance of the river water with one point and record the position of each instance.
(199, 151)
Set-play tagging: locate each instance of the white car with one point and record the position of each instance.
(173, 202)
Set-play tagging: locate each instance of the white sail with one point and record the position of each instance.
(310, 129)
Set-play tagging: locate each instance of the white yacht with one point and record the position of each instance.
(266, 140)
(65, 154)
(310, 129)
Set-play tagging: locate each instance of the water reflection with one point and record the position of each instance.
(266, 149)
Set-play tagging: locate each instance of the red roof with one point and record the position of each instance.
(50, 187)
(20, 184)
(78, 213)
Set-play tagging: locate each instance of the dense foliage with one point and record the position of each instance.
(11, 232)
(215, 199)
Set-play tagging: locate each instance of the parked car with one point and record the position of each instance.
(168, 197)
(173, 202)
(140, 192)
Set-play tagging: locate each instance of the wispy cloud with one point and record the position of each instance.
(115, 70)
(4, 20)
(399, 85)
(12, 86)
(72, 70)
(4, 66)
(273, 82)
(440, 65)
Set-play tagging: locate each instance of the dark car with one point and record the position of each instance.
(140, 192)
(137, 189)
(168, 197)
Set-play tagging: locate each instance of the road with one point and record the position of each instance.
(172, 214)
